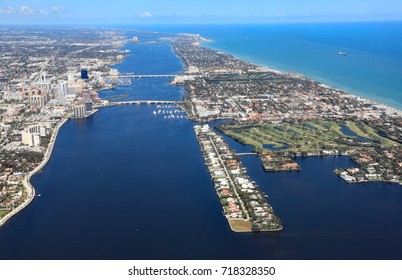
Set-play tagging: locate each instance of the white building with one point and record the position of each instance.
(30, 139)
(32, 134)
(79, 111)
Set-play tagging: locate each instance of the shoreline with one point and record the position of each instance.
(234, 188)
(389, 111)
(26, 182)
(303, 76)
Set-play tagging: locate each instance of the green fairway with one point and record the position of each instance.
(310, 136)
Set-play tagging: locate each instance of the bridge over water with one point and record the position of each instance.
(137, 102)
(132, 76)
(130, 102)
(127, 78)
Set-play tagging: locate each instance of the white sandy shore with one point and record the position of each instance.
(29, 189)
(389, 109)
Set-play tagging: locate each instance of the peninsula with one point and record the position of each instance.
(284, 115)
(244, 205)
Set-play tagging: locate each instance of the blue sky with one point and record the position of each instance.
(195, 11)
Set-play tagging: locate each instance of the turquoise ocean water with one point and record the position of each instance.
(372, 68)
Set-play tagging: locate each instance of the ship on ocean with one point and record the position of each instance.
(342, 53)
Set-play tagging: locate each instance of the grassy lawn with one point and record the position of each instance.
(3, 213)
(369, 133)
(240, 225)
(299, 137)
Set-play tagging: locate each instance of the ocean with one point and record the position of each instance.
(372, 68)
(126, 184)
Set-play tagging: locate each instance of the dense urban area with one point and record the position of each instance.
(44, 80)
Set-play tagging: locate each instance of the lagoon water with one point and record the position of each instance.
(125, 184)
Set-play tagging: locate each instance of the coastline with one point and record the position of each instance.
(26, 182)
(303, 76)
(387, 110)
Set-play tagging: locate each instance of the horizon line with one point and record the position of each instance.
(202, 23)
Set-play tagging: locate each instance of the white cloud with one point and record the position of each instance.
(56, 10)
(26, 10)
(6, 10)
(146, 14)
(30, 10)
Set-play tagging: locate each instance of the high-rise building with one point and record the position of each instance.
(3, 83)
(43, 77)
(43, 84)
(64, 87)
(94, 96)
(84, 74)
(37, 97)
(62, 98)
(70, 78)
(30, 139)
(63, 91)
(85, 95)
(79, 111)
(88, 106)
(31, 135)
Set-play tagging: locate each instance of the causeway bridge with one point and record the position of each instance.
(127, 78)
(134, 76)
(136, 102)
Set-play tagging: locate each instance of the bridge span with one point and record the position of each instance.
(127, 78)
(137, 102)
(132, 76)
(130, 102)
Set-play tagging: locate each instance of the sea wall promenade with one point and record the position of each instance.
(244, 205)
(28, 188)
